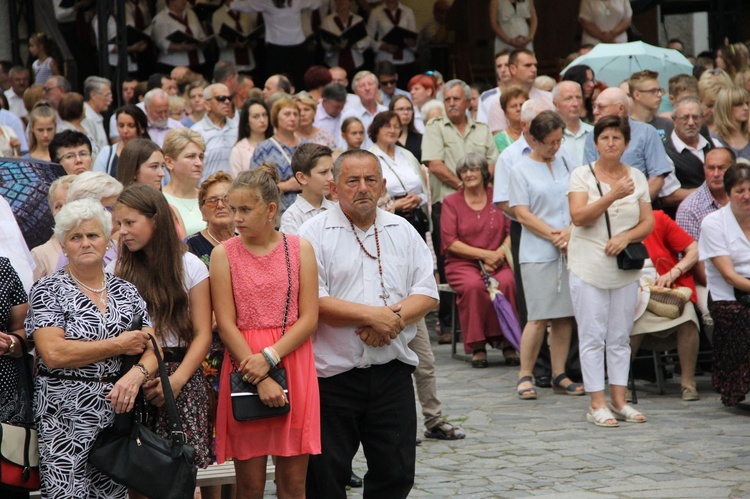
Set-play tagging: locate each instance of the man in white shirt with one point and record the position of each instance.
(328, 114)
(568, 99)
(522, 65)
(97, 93)
(341, 77)
(19, 82)
(365, 86)
(503, 78)
(375, 283)
(156, 104)
(219, 132)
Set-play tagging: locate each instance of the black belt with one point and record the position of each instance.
(87, 379)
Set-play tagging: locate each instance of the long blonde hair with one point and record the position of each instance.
(724, 122)
(41, 110)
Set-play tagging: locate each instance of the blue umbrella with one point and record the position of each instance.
(24, 183)
(506, 316)
(613, 63)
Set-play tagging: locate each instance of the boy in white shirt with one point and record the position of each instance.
(312, 167)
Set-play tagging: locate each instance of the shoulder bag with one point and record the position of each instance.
(145, 461)
(246, 403)
(19, 449)
(634, 255)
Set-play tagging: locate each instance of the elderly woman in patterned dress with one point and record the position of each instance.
(79, 319)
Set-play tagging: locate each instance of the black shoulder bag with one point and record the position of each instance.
(634, 254)
(246, 403)
(143, 460)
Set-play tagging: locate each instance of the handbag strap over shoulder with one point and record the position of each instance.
(175, 423)
(281, 150)
(599, 187)
(27, 378)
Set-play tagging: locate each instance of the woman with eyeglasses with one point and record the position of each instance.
(732, 120)
(409, 138)
(212, 199)
(538, 187)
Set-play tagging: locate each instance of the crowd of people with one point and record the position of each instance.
(302, 226)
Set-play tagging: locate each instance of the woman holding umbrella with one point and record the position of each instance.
(537, 196)
(473, 229)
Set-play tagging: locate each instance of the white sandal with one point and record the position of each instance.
(600, 417)
(629, 414)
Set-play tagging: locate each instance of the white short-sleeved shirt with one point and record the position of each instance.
(721, 235)
(586, 256)
(194, 273)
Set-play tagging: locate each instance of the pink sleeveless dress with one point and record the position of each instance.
(259, 285)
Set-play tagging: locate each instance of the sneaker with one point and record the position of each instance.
(445, 431)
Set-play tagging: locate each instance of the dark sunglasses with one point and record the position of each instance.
(222, 98)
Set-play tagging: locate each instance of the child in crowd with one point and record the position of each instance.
(312, 167)
(43, 48)
(353, 132)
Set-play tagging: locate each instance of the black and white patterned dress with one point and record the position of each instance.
(11, 295)
(70, 414)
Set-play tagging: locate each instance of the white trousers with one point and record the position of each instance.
(605, 319)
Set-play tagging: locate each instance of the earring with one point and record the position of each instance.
(65, 255)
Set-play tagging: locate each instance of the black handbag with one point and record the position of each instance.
(19, 449)
(143, 460)
(634, 255)
(246, 403)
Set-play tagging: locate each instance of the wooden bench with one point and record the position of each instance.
(218, 474)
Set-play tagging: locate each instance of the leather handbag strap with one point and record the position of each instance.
(175, 423)
(27, 378)
(606, 212)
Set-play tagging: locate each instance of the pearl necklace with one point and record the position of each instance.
(218, 243)
(385, 295)
(99, 291)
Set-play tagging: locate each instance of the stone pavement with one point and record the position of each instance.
(545, 447)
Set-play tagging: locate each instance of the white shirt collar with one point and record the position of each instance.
(680, 146)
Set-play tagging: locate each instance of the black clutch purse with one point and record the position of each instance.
(143, 460)
(632, 257)
(246, 404)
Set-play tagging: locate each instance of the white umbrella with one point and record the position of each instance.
(613, 63)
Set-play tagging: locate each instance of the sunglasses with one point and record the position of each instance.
(222, 98)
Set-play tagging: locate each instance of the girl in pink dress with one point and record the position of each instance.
(249, 285)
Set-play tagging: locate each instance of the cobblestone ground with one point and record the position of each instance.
(545, 448)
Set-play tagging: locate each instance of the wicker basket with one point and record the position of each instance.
(668, 302)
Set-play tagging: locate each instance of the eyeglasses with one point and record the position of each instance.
(109, 209)
(554, 143)
(388, 82)
(653, 91)
(403, 109)
(49, 89)
(686, 118)
(71, 156)
(213, 201)
(222, 98)
(391, 126)
(106, 96)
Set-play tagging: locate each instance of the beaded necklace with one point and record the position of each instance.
(385, 295)
(99, 292)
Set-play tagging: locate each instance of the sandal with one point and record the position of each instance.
(526, 393)
(479, 363)
(511, 357)
(445, 431)
(571, 389)
(600, 417)
(629, 414)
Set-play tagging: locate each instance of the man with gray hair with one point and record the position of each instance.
(156, 104)
(375, 283)
(54, 89)
(568, 99)
(219, 132)
(365, 86)
(97, 96)
(19, 82)
(445, 141)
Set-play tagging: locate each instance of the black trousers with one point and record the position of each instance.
(374, 406)
(444, 313)
(291, 60)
